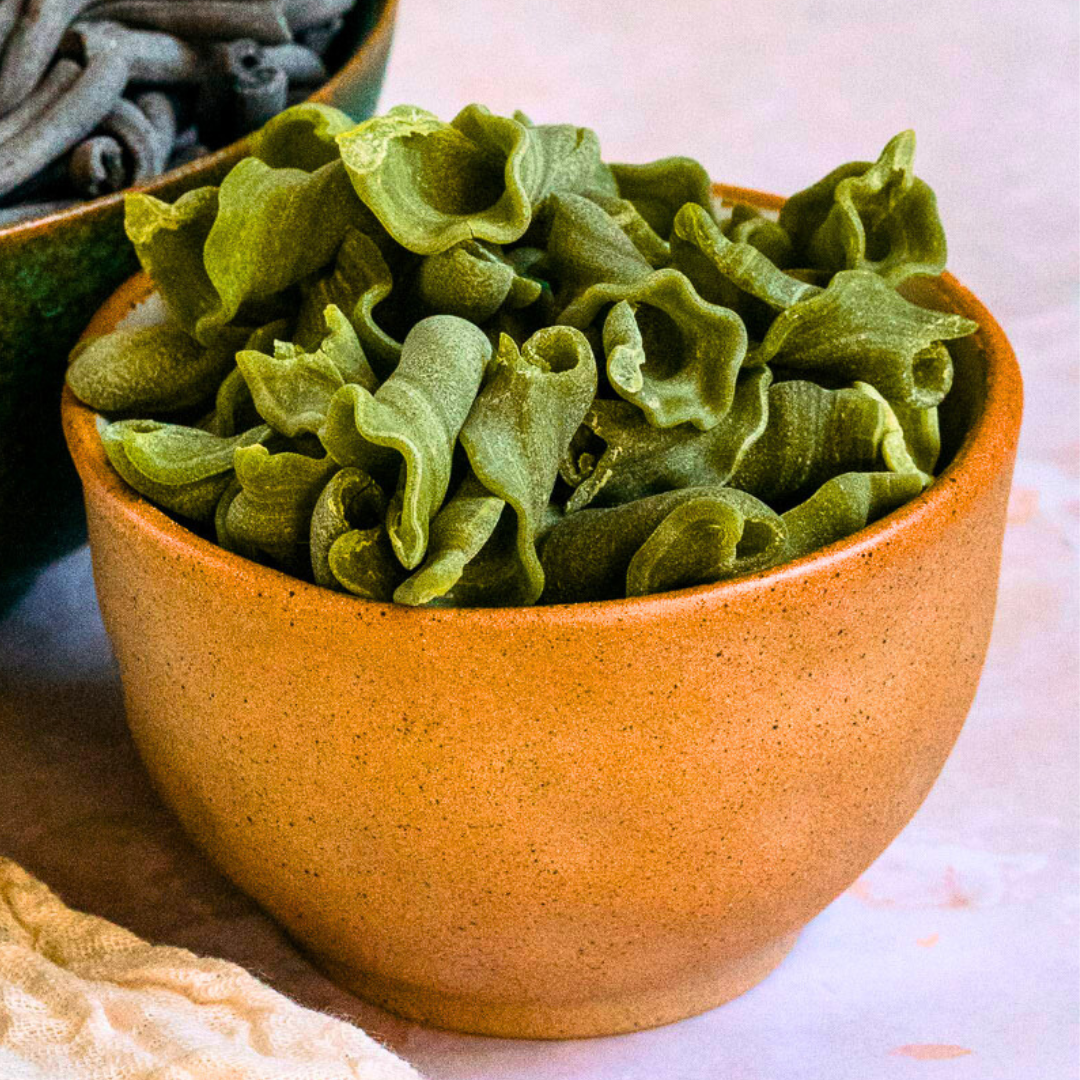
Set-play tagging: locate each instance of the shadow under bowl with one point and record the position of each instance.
(56, 271)
(573, 820)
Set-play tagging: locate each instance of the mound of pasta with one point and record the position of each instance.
(473, 364)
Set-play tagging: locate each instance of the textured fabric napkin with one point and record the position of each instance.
(83, 999)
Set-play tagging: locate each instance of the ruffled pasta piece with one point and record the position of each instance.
(518, 235)
(635, 459)
(812, 435)
(860, 328)
(350, 548)
(433, 185)
(878, 217)
(234, 408)
(232, 399)
(473, 282)
(301, 137)
(520, 428)
(172, 454)
(169, 239)
(672, 354)
(273, 228)
(669, 541)
(342, 440)
(147, 369)
(654, 248)
(895, 452)
(225, 539)
(358, 282)
(660, 188)
(491, 577)
(363, 562)
(922, 434)
(844, 505)
(585, 246)
(272, 511)
(417, 414)
(747, 225)
(459, 532)
(566, 158)
(182, 469)
(703, 540)
(292, 389)
(720, 268)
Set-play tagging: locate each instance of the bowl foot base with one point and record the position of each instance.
(584, 1019)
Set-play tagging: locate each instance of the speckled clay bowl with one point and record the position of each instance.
(55, 272)
(561, 821)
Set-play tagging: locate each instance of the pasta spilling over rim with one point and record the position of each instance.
(473, 364)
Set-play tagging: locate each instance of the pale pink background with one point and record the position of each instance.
(955, 956)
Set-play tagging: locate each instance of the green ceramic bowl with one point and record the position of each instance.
(55, 272)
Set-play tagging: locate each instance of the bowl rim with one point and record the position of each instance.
(375, 39)
(987, 448)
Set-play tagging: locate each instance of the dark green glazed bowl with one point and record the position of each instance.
(55, 272)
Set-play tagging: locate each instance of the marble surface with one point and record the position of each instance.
(955, 955)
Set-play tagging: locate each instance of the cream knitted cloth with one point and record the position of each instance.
(83, 999)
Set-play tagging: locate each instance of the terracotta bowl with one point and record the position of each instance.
(561, 821)
(55, 272)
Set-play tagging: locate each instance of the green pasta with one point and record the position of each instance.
(459, 533)
(433, 185)
(292, 389)
(520, 426)
(273, 228)
(169, 241)
(878, 217)
(472, 364)
(636, 459)
(185, 470)
(814, 434)
(303, 137)
(350, 547)
(149, 369)
(661, 188)
(357, 283)
(627, 550)
(586, 246)
(418, 413)
(473, 281)
(272, 510)
(861, 329)
(669, 352)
